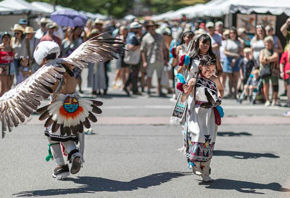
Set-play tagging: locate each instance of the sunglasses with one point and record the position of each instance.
(16, 33)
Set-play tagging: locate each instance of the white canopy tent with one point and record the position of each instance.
(20, 6)
(46, 7)
(218, 8)
(165, 15)
(222, 7)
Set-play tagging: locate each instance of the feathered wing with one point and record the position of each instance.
(19, 103)
(95, 50)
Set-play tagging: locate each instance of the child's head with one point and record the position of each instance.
(187, 37)
(207, 66)
(247, 52)
(269, 42)
(256, 73)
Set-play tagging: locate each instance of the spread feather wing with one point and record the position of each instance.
(19, 103)
(96, 49)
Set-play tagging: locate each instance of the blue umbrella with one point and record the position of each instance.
(68, 18)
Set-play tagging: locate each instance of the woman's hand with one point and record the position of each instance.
(192, 82)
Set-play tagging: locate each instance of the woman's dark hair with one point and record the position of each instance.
(207, 60)
(187, 33)
(6, 34)
(234, 29)
(204, 38)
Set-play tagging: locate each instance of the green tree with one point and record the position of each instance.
(115, 8)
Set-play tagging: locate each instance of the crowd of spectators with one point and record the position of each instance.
(149, 48)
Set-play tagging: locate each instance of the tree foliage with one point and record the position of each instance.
(120, 8)
(116, 8)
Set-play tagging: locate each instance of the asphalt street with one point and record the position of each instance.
(133, 153)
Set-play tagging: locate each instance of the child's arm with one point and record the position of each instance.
(175, 60)
(188, 89)
(219, 86)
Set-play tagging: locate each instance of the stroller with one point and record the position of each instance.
(256, 91)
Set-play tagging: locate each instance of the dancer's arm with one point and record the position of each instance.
(188, 89)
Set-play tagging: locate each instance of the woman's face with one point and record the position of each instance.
(208, 71)
(260, 32)
(268, 45)
(204, 47)
(187, 38)
(123, 31)
(233, 35)
(17, 34)
(6, 39)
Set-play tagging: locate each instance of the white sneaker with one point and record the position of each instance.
(206, 178)
(267, 103)
(276, 103)
(196, 170)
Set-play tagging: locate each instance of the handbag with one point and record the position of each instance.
(132, 57)
(265, 71)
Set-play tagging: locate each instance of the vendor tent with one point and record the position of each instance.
(165, 15)
(46, 7)
(20, 7)
(218, 9)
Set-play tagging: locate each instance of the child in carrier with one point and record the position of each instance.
(252, 85)
(246, 65)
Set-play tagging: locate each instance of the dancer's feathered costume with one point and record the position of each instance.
(67, 114)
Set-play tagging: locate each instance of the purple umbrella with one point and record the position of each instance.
(68, 18)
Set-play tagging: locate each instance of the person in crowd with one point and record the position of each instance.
(216, 39)
(252, 85)
(124, 70)
(6, 60)
(49, 36)
(257, 43)
(203, 93)
(173, 59)
(97, 74)
(19, 47)
(277, 44)
(182, 48)
(285, 29)
(72, 42)
(133, 45)
(233, 50)
(23, 23)
(153, 52)
(166, 32)
(219, 28)
(31, 42)
(247, 65)
(42, 30)
(244, 39)
(285, 71)
(202, 47)
(88, 28)
(99, 25)
(269, 71)
(225, 36)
